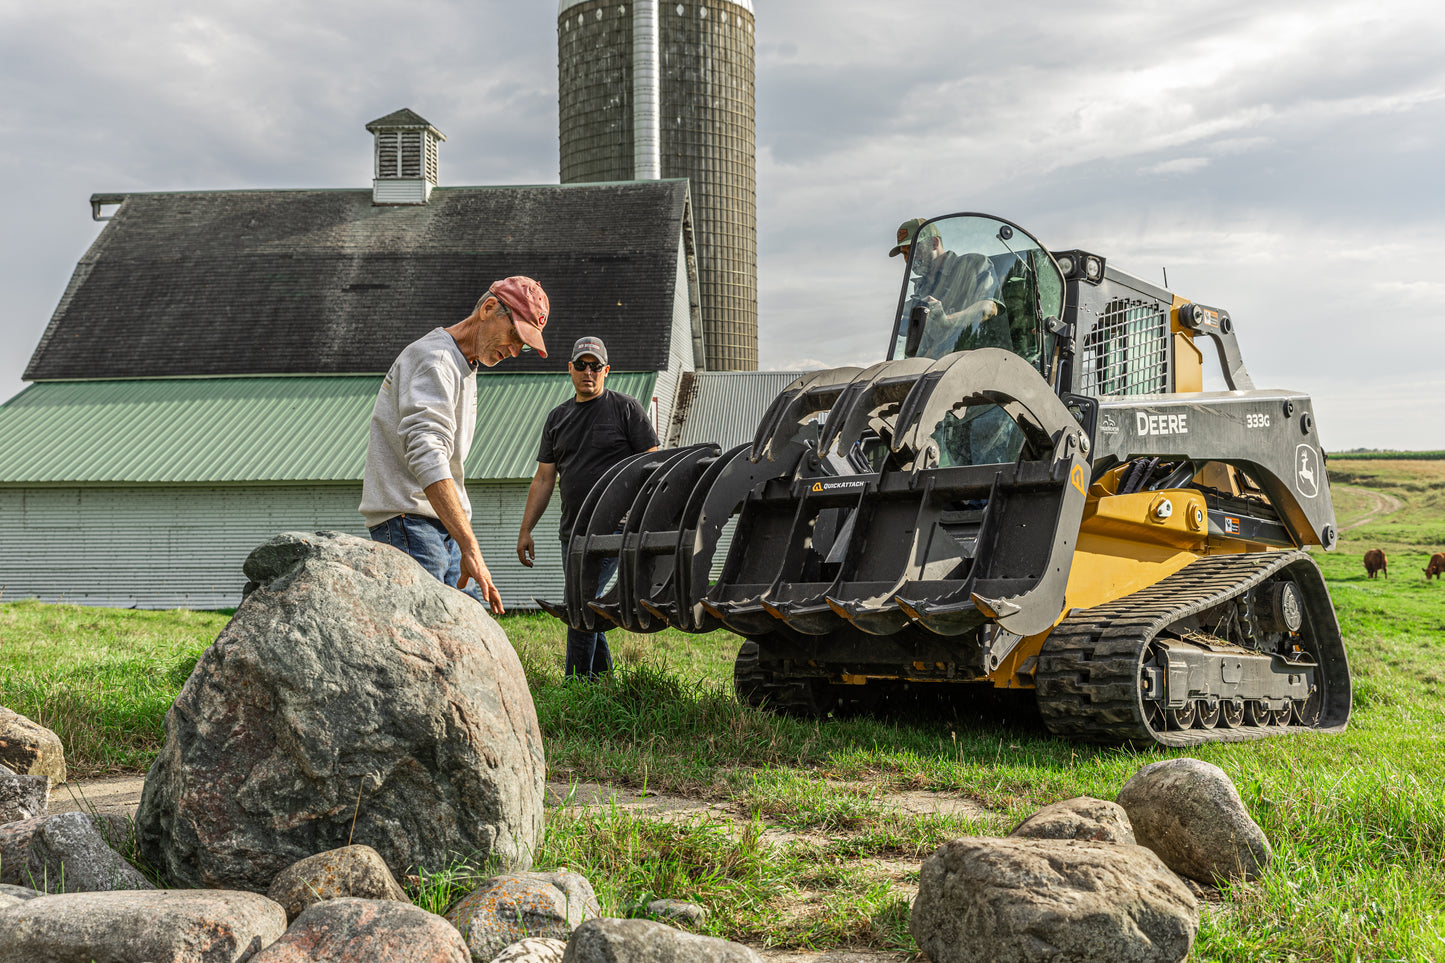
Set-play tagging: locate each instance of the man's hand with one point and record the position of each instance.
(526, 549)
(475, 570)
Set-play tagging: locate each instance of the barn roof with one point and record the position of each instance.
(225, 283)
(211, 430)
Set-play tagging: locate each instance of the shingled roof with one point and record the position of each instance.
(223, 283)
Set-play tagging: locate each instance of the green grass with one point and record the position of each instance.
(807, 842)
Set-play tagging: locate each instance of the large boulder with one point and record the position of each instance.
(1083, 817)
(352, 698)
(1189, 812)
(351, 930)
(511, 907)
(178, 926)
(984, 900)
(350, 871)
(30, 749)
(68, 854)
(616, 941)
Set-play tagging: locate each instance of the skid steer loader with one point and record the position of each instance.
(1033, 491)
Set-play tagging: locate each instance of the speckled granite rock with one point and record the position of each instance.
(350, 871)
(986, 900)
(67, 853)
(351, 930)
(178, 926)
(1083, 817)
(615, 941)
(348, 671)
(508, 908)
(29, 749)
(1189, 812)
(23, 797)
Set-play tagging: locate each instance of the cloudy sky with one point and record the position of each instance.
(1280, 160)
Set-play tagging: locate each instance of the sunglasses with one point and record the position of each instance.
(592, 366)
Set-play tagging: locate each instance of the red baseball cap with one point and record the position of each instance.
(529, 307)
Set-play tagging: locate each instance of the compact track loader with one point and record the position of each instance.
(1033, 491)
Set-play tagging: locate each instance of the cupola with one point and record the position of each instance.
(406, 158)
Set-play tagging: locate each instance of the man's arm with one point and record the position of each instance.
(448, 505)
(539, 493)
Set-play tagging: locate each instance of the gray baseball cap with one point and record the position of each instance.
(592, 346)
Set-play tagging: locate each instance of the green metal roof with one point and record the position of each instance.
(197, 430)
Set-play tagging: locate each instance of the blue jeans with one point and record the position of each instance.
(587, 652)
(426, 539)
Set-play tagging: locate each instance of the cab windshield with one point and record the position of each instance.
(977, 282)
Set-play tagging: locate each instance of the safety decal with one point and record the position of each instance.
(830, 486)
(1231, 525)
(1076, 478)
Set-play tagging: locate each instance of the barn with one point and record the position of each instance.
(207, 377)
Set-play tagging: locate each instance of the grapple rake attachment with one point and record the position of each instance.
(943, 493)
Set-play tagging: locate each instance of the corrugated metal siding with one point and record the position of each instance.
(182, 546)
(725, 406)
(511, 410)
(214, 430)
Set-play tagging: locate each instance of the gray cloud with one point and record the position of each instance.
(1278, 160)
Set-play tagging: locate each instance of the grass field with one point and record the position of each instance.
(811, 845)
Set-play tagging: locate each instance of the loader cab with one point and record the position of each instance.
(976, 281)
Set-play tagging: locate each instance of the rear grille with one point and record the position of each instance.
(1127, 352)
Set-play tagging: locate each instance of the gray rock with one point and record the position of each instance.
(1020, 900)
(6, 770)
(68, 854)
(534, 949)
(15, 841)
(623, 941)
(1189, 812)
(1083, 817)
(348, 930)
(348, 673)
(7, 901)
(350, 871)
(29, 749)
(508, 908)
(178, 926)
(19, 892)
(676, 909)
(23, 797)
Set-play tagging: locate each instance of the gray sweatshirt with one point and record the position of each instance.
(421, 429)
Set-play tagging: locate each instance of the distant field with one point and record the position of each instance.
(1387, 455)
(815, 851)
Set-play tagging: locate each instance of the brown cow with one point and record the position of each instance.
(1436, 566)
(1375, 562)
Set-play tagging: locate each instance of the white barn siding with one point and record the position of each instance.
(157, 547)
(679, 357)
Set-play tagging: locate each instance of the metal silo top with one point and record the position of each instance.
(566, 5)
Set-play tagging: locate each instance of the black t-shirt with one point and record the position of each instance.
(584, 439)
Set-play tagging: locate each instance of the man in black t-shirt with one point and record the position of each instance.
(581, 439)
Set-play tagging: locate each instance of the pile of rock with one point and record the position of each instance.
(338, 906)
(357, 721)
(1088, 879)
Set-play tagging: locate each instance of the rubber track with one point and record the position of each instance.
(1088, 671)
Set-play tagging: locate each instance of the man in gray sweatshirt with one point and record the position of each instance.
(412, 492)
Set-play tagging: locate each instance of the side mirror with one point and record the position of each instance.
(916, 319)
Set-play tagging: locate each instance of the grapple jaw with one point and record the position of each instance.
(939, 493)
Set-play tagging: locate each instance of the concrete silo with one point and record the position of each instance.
(665, 89)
